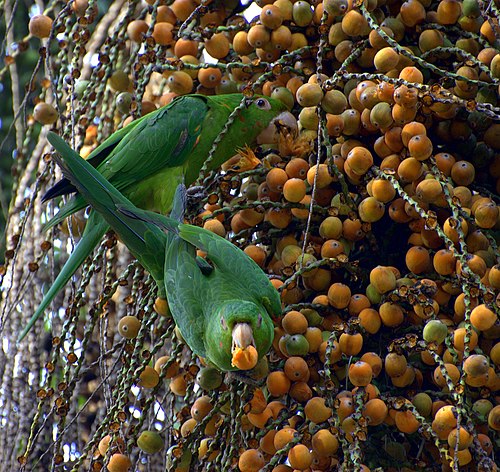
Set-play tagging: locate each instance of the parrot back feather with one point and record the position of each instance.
(145, 241)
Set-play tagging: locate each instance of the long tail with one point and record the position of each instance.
(144, 238)
(94, 231)
(76, 203)
(128, 221)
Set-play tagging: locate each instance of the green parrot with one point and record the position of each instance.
(223, 305)
(148, 158)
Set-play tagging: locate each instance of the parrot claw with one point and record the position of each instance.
(241, 376)
(195, 195)
(196, 190)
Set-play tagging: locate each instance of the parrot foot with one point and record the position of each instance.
(195, 195)
(235, 376)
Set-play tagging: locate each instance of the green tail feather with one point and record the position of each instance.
(75, 204)
(140, 230)
(145, 240)
(93, 233)
(114, 207)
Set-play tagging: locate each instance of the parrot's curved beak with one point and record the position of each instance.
(244, 355)
(270, 135)
(242, 336)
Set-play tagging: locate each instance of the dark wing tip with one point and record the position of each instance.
(63, 187)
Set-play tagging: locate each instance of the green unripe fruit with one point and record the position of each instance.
(334, 102)
(495, 67)
(423, 403)
(482, 408)
(297, 345)
(486, 95)
(471, 8)
(226, 86)
(250, 191)
(185, 458)
(308, 118)
(129, 326)
(123, 102)
(283, 95)
(303, 261)
(435, 331)
(150, 442)
(313, 317)
(381, 115)
(335, 7)
(325, 335)
(302, 13)
(209, 378)
(373, 295)
(338, 201)
(119, 81)
(80, 87)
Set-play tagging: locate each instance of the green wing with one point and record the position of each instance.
(96, 157)
(161, 141)
(164, 140)
(101, 152)
(229, 259)
(186, 287)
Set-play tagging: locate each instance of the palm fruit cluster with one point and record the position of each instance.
(377, 221)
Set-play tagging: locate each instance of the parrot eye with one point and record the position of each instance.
(263, 104)
(259, 321)
(223, 323)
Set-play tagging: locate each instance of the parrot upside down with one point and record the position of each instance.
(150, 157)
(223, 313)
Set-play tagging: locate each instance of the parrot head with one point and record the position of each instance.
(238, 334)
(261, 117)
(270, 134)
(269, 116)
